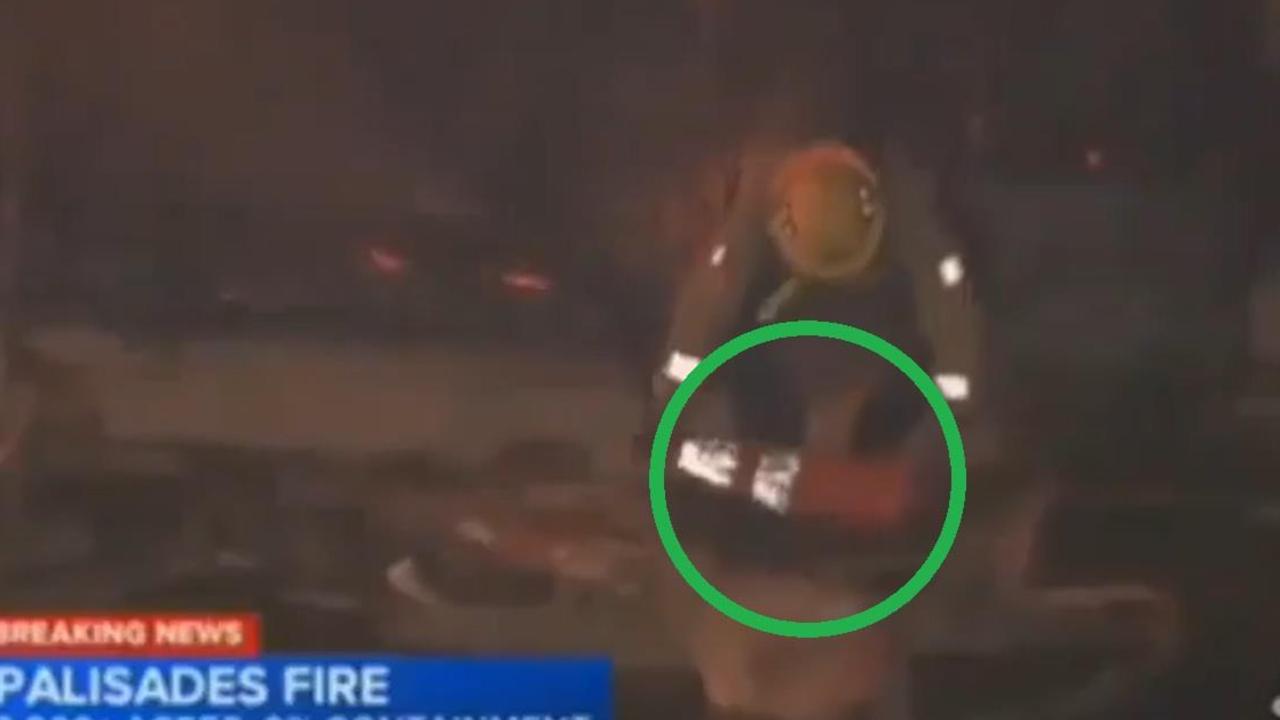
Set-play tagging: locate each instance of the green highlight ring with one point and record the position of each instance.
(725, 604)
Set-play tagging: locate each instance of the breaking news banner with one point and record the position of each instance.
(208, 667)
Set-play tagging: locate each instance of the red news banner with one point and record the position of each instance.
(149, 635)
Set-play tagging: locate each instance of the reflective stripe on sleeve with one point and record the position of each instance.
(718, 254)
(679, 365)
(954, 386)
(711, 461)
(715, 463)
(775, 480)
(951, 270)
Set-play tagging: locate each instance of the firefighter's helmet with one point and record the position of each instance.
(828, 214)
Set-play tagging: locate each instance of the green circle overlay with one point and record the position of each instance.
(662, 514)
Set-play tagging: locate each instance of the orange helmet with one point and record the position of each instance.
(828, 217)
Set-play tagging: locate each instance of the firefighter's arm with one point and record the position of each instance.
(714, 291)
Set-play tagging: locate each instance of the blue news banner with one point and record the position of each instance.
(302, 688)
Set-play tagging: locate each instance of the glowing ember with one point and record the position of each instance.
(387, 262)
(1095, 159)
(527, 281)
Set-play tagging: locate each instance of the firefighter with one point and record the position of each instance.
(805, 459)
(805, 239)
